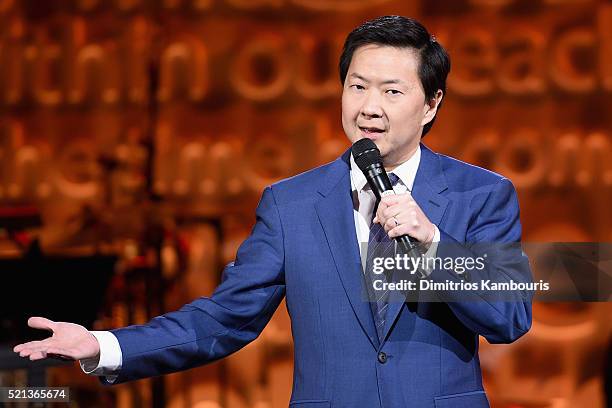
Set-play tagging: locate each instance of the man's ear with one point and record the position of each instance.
(432, 107)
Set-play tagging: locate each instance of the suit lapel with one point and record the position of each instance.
(335, 212)
(428, 184)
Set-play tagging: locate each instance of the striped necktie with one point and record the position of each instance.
(379, 246)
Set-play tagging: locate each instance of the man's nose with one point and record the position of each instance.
(372, 107)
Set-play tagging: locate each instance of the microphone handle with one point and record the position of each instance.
(378, 180)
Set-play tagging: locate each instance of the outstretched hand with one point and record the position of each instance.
(69, 340)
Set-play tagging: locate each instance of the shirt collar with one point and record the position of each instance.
(405, 171)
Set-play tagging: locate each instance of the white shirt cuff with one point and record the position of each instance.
(108, 363)
(433, 250)
(436, 237)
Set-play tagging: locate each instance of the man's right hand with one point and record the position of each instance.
(69, 340)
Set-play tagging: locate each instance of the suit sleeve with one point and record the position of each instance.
(210, 328)
(495, 234)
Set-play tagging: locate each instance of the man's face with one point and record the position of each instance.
(383, 100)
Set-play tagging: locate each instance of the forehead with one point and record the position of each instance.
(384, 62)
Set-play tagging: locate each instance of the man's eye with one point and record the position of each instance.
(393, 91)
(358, 87)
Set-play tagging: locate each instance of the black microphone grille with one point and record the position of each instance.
(365, 153)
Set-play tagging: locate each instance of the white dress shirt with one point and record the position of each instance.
(110, 358)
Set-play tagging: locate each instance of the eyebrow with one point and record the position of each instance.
(388, 81)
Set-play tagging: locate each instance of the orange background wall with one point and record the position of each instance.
(246, 92)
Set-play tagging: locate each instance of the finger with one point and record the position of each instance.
(390, 224)
(382, 204)
(393, 199)
(379, 211)
(392, 211)
(408, 228)
(41, 323)
(38, 355)
(398, 231)
(407, 202)
(387, 200)
(29, 345)
(395, 210)
(387, 222)
(29, 351)
(34, 345)
(378, 217)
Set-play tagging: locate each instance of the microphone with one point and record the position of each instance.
(368, 159)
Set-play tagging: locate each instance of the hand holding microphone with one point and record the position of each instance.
(399, 214)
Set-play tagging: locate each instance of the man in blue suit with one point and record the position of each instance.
(313, 236)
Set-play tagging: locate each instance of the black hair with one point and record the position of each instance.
(402, 32)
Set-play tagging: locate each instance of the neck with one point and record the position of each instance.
(392, 163)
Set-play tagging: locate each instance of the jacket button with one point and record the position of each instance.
(382, 357)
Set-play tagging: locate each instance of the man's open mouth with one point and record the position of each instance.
(371, 130)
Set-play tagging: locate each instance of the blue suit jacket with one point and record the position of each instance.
(304, 247)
